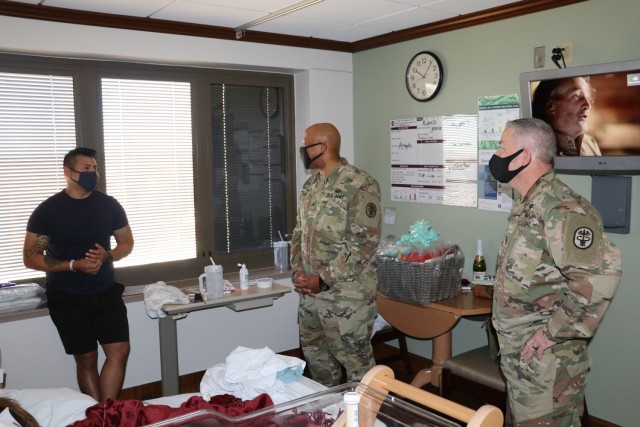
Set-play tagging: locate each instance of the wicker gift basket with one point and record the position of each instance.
(421, 282)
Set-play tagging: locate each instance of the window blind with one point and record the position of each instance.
(37, 128)
(249, 168)
(148, 150)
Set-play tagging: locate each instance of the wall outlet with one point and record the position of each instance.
(567, 53)
(390, 216)
(538, 57)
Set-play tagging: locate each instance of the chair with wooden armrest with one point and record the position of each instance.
(381, 378)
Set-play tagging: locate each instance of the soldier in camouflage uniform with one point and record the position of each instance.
(556, 275)
(333, 243)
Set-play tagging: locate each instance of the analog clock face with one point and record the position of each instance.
(424, 76)
(269, 101)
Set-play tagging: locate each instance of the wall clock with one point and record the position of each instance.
(424, 76)
(269, 101)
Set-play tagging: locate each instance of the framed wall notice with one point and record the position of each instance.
(434, 160)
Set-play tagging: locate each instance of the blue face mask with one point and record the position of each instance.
(87, 180)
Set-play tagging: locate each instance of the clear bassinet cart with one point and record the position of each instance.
(384, 402)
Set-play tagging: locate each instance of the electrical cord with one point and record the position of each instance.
(557, 56)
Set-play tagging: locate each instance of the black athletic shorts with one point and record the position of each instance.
(85, 320)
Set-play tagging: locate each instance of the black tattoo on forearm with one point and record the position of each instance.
(39, 245)
(52, 262)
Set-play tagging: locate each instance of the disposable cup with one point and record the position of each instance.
(281, 256)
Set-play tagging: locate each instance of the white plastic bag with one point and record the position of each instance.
(158, 294)
(16, 292)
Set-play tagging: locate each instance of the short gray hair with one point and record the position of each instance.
(536, 135)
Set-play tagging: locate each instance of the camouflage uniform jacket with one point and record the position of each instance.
(557, 270)
(338, 231)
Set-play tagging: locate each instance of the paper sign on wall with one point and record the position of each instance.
(493, 114)
(434, 160)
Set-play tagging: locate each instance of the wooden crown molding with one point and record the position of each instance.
(511, 10)
(71, 16)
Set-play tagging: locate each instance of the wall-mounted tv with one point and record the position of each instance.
(602, 101)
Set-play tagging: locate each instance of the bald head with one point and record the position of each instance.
(321, 148)
(325, 133)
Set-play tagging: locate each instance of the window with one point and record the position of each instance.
(148, 153)
(248, 164)
(37, 128)
(202, 160)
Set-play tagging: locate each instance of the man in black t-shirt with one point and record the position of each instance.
(69, 237)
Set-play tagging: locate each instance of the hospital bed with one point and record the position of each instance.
(385, 401)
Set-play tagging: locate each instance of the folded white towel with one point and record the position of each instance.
(248, 373)
(158, 294)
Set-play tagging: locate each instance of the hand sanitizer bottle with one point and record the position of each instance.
(244, 277)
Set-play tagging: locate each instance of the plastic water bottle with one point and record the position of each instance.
(244, 277)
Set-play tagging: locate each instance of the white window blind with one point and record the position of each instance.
(149, 165)
(37, 128)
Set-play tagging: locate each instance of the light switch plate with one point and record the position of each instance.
(390, 216)
(538, 57)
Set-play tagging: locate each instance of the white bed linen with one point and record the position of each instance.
(303, 387)
(250, 372)
(51, 407)
(56, 407)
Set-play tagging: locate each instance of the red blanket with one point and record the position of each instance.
(132, 413)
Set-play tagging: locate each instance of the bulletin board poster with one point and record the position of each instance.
(493, 114)
(434, 160)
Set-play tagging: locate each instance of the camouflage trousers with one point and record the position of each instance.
(550, 391)
(336, 333)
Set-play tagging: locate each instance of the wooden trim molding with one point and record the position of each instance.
(511, 10)
(72, 16)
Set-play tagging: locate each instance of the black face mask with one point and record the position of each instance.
(305, 154)
(87, 180)
(499, 167)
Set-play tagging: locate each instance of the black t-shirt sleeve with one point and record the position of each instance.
(120, 216)
(38, 223)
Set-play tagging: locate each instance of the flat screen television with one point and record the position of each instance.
(613, 118)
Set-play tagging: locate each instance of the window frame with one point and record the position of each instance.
(87, 75)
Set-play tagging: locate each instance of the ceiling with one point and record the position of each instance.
(342, 21)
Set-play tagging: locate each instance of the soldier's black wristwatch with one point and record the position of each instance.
(323, 285)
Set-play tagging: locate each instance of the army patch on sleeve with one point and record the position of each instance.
(582, 241)
(368, 210)
(583, 238)
(371, 210)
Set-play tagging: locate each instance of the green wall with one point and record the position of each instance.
(487, 60)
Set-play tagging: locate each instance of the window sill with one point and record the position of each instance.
(134, 293)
